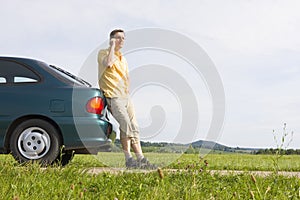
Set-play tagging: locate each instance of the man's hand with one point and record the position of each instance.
(112, 42)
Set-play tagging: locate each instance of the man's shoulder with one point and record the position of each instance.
(103, 52)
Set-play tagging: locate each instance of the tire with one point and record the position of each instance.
(35, 140)
(64, 158)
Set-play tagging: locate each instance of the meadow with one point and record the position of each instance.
(187, 177)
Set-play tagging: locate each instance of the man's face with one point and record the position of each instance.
(120, 37)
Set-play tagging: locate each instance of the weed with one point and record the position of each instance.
(283, 145)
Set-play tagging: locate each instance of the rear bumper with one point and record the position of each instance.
(86, 135)
(104, 147)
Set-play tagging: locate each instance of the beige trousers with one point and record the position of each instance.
(123, 111)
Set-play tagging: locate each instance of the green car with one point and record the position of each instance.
(48, 114)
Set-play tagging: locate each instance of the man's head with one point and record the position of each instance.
(119, 36)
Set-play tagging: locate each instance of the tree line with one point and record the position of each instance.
(278, 151)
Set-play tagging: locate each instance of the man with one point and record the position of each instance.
(114, 82)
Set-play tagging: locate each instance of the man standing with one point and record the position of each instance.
(114, 82)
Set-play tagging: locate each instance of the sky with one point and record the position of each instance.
(254, 45)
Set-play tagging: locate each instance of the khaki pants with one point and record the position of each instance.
(123, 111)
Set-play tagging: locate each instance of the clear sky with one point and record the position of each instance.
(255, 46)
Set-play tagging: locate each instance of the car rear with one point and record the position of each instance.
(79, 111)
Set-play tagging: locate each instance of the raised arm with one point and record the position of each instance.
(109, 60)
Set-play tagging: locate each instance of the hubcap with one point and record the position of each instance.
(34, 143)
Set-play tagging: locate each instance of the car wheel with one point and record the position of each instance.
(35, 140)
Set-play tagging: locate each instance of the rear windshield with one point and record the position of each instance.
(66, 76)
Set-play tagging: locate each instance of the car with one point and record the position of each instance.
(48, 114)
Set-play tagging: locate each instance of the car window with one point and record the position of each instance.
(2, 80)
(69, 76)
(20, 79)
(14, 73)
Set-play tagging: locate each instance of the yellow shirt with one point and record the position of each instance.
(113, 80)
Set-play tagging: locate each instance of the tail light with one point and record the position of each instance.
(95, 105)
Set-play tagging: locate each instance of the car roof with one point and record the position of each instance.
(43, 68)
(21, 59)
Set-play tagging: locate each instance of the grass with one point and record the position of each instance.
(245, 162)
(73, 182)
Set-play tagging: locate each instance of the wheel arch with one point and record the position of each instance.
(18, 121)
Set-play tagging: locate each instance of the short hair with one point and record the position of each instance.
(112, 34)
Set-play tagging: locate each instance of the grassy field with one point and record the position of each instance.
(193, 182)
(245, 162)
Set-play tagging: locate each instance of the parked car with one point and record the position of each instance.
(47, 114)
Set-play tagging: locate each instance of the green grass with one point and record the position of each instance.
(73, 182)
(246, 162)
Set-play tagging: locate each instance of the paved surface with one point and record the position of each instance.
(98, 170)
(258, 173)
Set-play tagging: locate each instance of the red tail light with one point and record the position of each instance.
(95, 105)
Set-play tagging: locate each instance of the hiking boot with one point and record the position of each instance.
(131, 164)
(145, 164)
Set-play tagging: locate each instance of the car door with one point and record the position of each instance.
(16, 79)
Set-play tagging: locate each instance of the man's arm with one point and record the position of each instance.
(109, 60)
